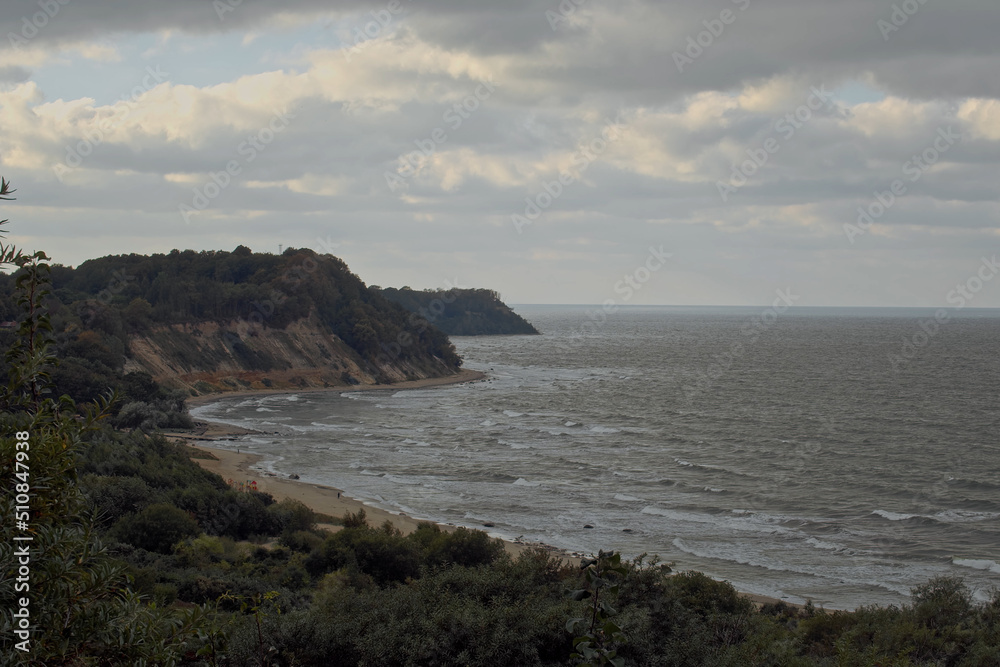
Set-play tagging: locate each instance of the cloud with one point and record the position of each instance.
(355, 115)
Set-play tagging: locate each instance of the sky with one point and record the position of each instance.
(718, 152)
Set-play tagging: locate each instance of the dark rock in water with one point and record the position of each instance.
(589, 526)
(488, 525)
(626, 530)
(294, 476)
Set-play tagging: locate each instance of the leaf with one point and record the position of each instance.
(581, 594)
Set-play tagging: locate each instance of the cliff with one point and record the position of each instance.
(209, 357)
(216, 321)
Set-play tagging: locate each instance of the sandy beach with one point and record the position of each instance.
(323, 499)
(327, 500)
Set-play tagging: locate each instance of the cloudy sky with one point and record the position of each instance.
(848, 151)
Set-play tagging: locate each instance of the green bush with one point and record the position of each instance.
(111, 498)
(156, 528)
(461, 547)
(292, 515)
(383, 553)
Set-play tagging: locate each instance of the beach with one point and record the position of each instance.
(322, 499)
(327, 500)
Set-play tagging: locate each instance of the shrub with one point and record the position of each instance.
(156, 528)
(292, 515)
(461, 547)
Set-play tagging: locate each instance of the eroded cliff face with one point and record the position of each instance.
(208, 357)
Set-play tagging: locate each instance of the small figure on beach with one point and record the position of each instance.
(338, 495)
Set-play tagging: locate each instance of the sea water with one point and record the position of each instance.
(837, 455)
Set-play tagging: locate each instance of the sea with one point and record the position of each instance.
(837, 455)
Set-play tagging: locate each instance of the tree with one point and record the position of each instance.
(63, 600)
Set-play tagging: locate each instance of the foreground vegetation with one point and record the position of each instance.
(140, 557)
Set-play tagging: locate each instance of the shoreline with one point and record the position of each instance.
(461, 377)
(321, 498)
(331, 501)
(328, 500)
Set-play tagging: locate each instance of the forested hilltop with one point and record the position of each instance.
(461, 312)
(200, 322)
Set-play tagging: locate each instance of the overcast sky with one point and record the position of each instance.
(545, 150)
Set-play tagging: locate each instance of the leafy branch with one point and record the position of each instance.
(592, 644)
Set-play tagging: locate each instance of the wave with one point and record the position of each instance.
(944, 516)
(511, 413)
(964, 516)
(895, 516)
(603, 429)
(627, 499)
(523, 482)
(978, 564)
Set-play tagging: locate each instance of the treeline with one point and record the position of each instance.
(460, 312)
(262, 290)
(239, 579)
(97, 308)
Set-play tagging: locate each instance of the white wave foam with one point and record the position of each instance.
(820, 544)
(964, 516)
(570, 424)
(603, 429)
(627, 499)
(978, 564)
(894, 516)
(523, 482)
(511, 413)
